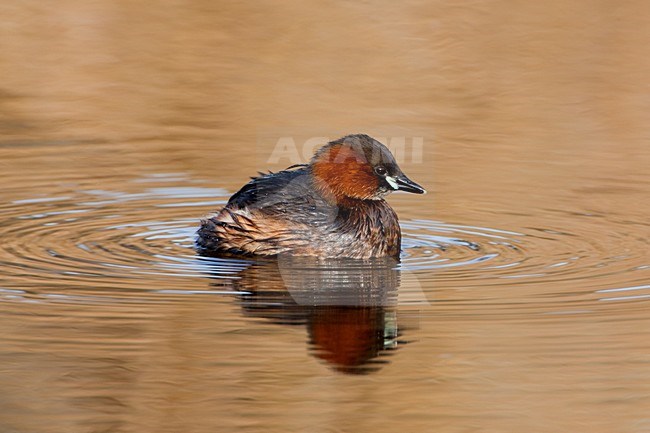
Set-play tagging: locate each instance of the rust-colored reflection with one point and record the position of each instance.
(351, 338)
(348, 306)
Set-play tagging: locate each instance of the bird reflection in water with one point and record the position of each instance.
(348, 306)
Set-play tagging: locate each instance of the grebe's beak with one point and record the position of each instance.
(403, 183)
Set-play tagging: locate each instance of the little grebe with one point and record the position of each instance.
(332, 207)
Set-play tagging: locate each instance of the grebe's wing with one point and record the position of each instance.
(283, 190)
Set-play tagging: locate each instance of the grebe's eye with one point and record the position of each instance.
(380, 170)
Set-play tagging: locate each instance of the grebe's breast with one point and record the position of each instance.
(369, 228)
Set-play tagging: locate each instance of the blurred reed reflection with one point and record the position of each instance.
(348, 306)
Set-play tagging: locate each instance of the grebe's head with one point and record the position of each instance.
(359, 167)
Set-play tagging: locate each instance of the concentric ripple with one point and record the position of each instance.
(142, 239)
